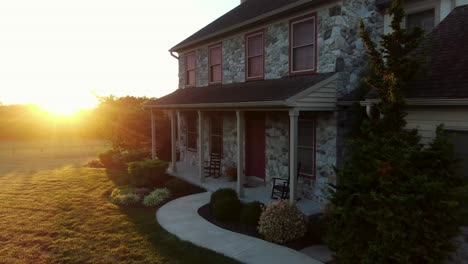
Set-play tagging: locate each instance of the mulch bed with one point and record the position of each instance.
(307, 241)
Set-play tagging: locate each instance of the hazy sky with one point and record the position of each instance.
(63, 51)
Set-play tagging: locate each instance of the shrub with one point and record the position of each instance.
(177, 186)
(124, 196)
(156, 197)
(107, 158)
(135, 155)
(250, 213)
(222, 194)
(146, 173)
(227, 209)
(282, 222)
(96, 164)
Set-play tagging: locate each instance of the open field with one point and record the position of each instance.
(54, 210)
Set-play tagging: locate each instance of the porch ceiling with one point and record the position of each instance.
(308, 91)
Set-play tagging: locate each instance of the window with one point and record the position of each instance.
(460, 144)
(254, 51)
(303, 45)
(192, 134)
(190, 69)
(215, 64)
(306, 147)
(424, 20)
(216, 135)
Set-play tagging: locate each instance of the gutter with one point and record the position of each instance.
(424, 102)
(175, 56)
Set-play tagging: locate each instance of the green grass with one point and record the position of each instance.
(62, 215)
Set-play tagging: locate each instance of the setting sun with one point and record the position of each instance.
(68, 105)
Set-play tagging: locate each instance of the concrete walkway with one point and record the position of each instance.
(180, 217)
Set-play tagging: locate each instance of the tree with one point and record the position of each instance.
(397, 200)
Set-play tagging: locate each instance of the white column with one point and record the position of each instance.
(179, 129)
(240, 153)
(173, 142)
(293, 134)
(153, 136)
(446, 7)
(201, 148)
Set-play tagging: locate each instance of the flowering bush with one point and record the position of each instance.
(282, 222)
(124, 196)
(156, 197)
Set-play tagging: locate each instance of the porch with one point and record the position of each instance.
(254, 190)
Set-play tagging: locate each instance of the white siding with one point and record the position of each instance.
(324, 97)
(426, 119)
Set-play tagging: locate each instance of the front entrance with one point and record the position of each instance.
(255, 145)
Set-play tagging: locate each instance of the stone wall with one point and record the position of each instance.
(277, 145)
(181, 72)
(201, 57)
(277, 50)
(234, 60)
(340, 48)
(229, 140)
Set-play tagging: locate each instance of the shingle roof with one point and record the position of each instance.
(446, 71)
(258, 91)
(249, 10)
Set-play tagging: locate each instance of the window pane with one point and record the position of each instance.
(255, 67)
(216, 73)
(191, 77)
(306, 158)
(215, 54)
(306, 134)
(304, 33)
(424, 20)
(192, 140)
(191, 123)
(217, 145)
(255, 45)
(216, 126)
(303, 58)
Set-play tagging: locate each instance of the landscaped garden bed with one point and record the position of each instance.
(245, 220)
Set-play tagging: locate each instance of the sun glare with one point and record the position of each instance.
(63, 107)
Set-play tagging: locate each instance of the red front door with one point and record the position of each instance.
(255, 145)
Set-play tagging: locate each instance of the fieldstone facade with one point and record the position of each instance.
(234, 60)
(181, 72)
(276, 145)
(201, 58)
(277, 51)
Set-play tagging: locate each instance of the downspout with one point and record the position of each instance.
(369, 110)
(172, 54)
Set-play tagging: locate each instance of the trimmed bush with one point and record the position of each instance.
(227, 209)
(124, 196)
(146, 173)
(177, 186)
(135, 155)
(156, 197)
(222, 194)
(282, 222)
(250, 213)
(107, 158)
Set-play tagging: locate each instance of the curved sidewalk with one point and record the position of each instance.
(180, 217)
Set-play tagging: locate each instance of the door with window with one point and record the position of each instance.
(306, 147)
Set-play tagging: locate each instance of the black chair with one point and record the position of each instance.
(213, 166)
(280, 188)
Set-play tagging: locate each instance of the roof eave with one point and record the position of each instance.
(425, 102)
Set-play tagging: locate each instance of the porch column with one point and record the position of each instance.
(153, 135)
(293, 134)
(179, 129)
(240, 153)
(201, 148)
(173, 142)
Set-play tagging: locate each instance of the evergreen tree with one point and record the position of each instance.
(397, 200)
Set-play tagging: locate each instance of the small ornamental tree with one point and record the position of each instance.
(397, 200)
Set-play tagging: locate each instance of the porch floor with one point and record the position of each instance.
(261, 193)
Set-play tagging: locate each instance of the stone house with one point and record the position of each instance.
(263, 85)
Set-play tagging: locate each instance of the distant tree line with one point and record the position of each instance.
(120, 120)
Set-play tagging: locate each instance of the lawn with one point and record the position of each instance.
(56, 211)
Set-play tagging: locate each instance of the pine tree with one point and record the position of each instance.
(397, 200)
